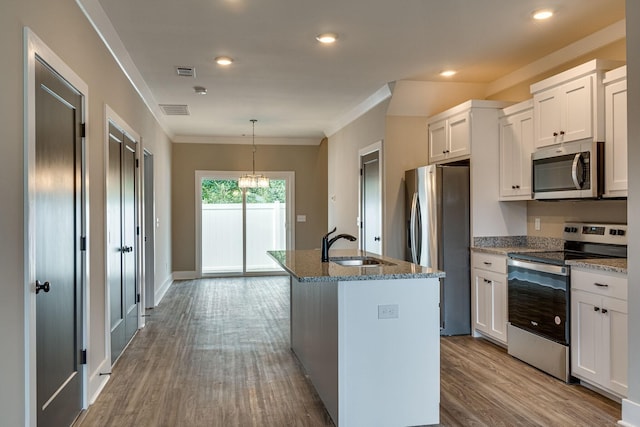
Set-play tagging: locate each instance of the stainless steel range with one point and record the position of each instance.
(539, 294)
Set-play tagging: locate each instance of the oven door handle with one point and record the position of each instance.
(545, 268)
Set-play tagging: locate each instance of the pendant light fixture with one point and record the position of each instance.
(252, 180)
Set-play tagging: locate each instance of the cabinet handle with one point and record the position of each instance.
(486, 280)
(604, 311)
(517, 186)
(596, 308)
(602, 285)
(513, 187)
(561, 132)
(487, 263)
(555, 134)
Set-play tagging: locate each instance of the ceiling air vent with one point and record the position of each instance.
(186, 71)
(175, 109)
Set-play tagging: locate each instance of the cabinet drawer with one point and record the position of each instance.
(601, 283)
(489, 262)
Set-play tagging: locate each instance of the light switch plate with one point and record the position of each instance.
(301, 218)
(388, 311)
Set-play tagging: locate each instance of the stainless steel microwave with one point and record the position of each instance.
(570, 171)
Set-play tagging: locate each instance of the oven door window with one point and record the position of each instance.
(561, 173)
(539, 303)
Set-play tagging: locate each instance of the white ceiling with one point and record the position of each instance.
(297, 88)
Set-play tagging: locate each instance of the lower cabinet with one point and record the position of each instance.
(489, 295)
(599, 329)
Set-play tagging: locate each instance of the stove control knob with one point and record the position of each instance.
(613, 232)
(574, 229)
(567, 229)
(621, 232)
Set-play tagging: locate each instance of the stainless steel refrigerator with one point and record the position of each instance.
(437, 236)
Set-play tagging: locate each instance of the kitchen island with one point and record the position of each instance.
(367, 336)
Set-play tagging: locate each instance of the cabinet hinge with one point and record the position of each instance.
(360, 171)
(137, 163)
(83, 357)
(83, 243)
(138, 298)
(83, 130)
(137, 230)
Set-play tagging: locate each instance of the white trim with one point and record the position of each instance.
(374, 99)
(608, 35)
(185, 275)
(239, 140)
(162, 291)
(104, 28)
(33, 46)
(147, 154)
(99, 380)
(376, 146)
(290, 178)
(630, 413)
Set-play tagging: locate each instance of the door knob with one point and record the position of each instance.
(127, 249)
(40, 287)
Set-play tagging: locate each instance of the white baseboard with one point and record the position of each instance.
(160, 293)
(97, 381)
(185, 275)
(630, 414)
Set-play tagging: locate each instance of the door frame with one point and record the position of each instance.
(376, 146)
(289, 176)
(148, 229)
(112, 117)
(34, 46)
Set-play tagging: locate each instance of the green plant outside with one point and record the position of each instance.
(218, 191)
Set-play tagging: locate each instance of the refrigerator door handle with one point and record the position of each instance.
(414, 217)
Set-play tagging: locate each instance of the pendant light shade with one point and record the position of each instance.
(253, 180)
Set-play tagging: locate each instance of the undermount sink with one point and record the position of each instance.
(359, 261)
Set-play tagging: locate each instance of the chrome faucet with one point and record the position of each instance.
(326, 243)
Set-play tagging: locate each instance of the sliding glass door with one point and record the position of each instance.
(238, 227)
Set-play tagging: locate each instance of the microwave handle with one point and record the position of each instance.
(574, 172)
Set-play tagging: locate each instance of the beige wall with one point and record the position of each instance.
(64, 29)
(554, 214)
(308, 162)
(405, 148)
(343, 168)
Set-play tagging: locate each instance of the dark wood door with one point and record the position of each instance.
(122, 232)
(58, 219)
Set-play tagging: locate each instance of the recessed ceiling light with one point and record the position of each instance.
(224, 60)
(327, 38)
(541, 15)
(448, 73)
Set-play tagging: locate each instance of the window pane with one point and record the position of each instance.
(266, 224)
(221, 226)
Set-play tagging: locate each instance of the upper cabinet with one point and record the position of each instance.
(570, 106)
(449, 138)
(450, 132)
(615, 97)
(516, 146)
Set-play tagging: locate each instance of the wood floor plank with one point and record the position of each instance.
(216, 353)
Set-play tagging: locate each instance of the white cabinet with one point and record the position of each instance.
(489, 295)
(516, 146)
(599, 329)
(570, 106)
(449, 138)
(452, 131)
(615, 108)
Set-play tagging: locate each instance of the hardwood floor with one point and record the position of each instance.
(216, 353)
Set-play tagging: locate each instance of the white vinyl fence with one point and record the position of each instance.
(222, 236)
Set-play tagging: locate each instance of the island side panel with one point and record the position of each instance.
(389, 369)
(314, 336)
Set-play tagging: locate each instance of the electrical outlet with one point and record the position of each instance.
(537, 224)
(388, 311)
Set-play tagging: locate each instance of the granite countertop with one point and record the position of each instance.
(306, 266)
(615, 265)
(503, 245)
